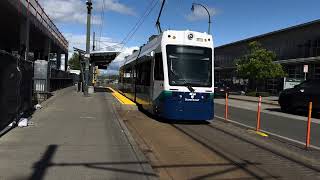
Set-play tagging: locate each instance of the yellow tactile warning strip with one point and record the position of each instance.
(122, 99)
(259, 133)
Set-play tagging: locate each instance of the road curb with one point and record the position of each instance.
(140, 156)
(248, 100)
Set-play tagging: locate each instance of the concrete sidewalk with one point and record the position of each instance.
(272, 100)
(73, 137)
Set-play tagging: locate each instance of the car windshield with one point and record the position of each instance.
(189, 66)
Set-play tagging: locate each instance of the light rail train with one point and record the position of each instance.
(172, 76)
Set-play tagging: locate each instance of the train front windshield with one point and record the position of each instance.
(189, 66)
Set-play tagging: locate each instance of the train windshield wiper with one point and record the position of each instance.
(185, 83)
(188, 85)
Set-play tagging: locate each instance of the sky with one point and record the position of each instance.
(232, 20)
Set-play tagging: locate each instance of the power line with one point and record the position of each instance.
(136, 27)
(132, 29)
(102, 20)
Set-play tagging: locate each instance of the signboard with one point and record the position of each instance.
(305, 68)
(291, 82)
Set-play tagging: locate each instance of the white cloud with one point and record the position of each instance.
(79, 41)
(119, 61)
(114, 5)
(107, 43)
(125, 52)
(200, 13)
(75, 11)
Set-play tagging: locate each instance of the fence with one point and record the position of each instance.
(21, 87)
(15, 87)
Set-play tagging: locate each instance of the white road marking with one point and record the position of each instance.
(87, 117)
(270, 133)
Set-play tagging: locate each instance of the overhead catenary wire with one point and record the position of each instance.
(138, 24)
(131, 33)
(135, 28)
(102, 21)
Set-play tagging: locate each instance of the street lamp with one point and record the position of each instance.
(192, 9)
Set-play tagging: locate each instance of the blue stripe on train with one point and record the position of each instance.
(185, 106)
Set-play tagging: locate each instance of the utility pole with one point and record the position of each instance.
(87, 58)
(94, 41)
(93, 67)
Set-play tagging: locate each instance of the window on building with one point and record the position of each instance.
(318, 48)
(317, 71)
(295, 71)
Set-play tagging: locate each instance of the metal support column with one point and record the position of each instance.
(24, 38)
(66, 63)
(87, 58)
(47, 52)
(59, 61)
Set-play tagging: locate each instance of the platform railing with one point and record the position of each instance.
(35, 9)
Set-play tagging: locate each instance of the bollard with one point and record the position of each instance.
(309, 126)
(258, 114)
(226, 110)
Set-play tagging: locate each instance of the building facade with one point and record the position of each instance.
(295, 47)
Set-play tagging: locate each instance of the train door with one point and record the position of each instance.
(158, 76)
(152, 77)
(143, 86)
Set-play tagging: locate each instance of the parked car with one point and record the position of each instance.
(300, 96)
(220, 89)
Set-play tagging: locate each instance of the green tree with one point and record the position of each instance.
(258, 65)
(74, 62)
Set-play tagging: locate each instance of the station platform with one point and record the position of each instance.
(73, 137)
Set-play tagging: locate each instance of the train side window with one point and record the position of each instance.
(146, 72)
(138, 74)
(127, 75)
(158, 67)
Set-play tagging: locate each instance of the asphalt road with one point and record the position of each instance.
(272, 120)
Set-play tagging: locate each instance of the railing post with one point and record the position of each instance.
(258, 114)
(226, 109)
(309, 126)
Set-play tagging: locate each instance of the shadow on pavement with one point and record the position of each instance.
(102, 89)
(45, 163)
